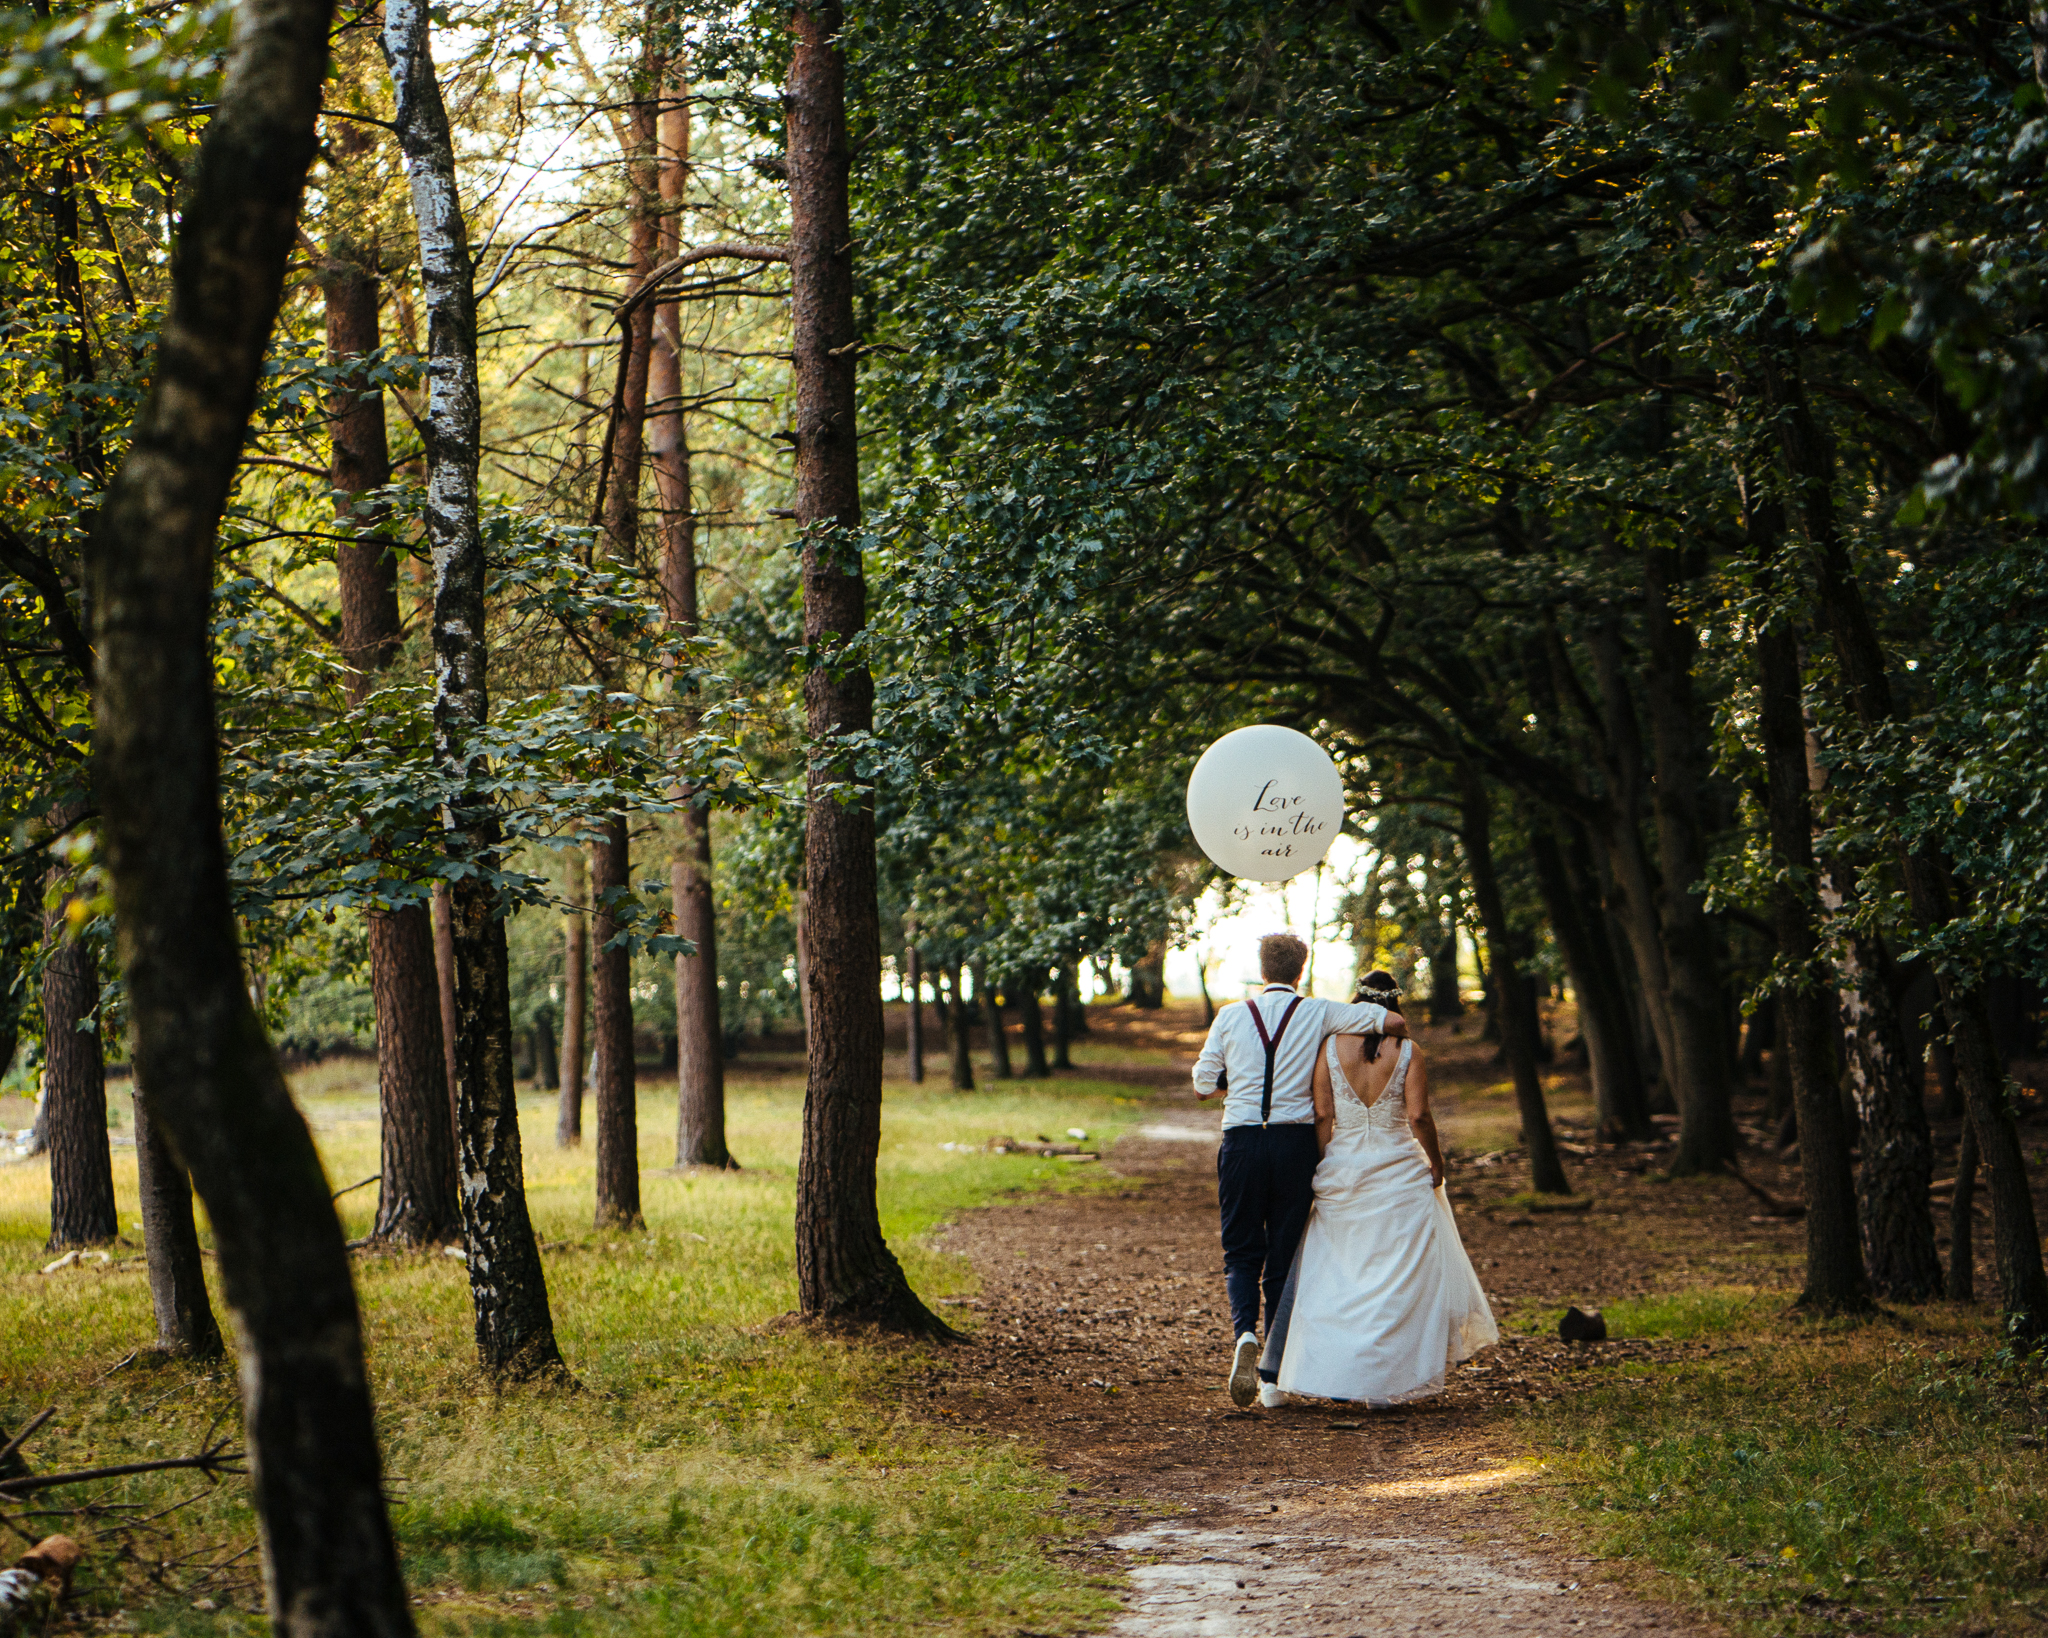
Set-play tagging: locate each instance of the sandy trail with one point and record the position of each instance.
(1100, 1335)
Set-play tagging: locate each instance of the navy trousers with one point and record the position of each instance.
(1265, 1184)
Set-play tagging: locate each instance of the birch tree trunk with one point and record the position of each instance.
(844, 1269)
(515, 1333)
(330, 1566)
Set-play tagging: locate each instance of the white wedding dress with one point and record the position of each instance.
(1382, 1298)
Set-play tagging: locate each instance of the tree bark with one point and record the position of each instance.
(1445, 1001)
(913, 992)
(1620, 1098)
(844, 1269)
(1064, 1019)
(575, 988)
(611, 981)
(1835, 1281)
(416, 1199)
(416, 1190)
(998, 1042)
(1515, 1001)
(547, 1053)
(185, 1325)
(508, 1292)
(958, 1027)
(1706, 1113)
(441, 924)
(1897, 1164)
(1028, 984)
(1962, 1249)
(215, 1088)
(2016, 1239)
(75, 1090)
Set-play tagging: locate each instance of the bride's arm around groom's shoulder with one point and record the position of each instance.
(1415, 1094)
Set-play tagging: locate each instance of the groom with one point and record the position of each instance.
(1262, 1056)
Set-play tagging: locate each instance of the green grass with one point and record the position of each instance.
(1887, 1475)
(716, 1473)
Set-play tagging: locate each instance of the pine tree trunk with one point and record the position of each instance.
(958, 1032)
(1063, 1019)
(1835, 1280)
(1027, 988)
(844, 1270)
(2016, 1239)
(441, 923)
(913, 993)
(611, 991)
(508, 1292)
(575, 993)
(1515, 1002)
(991, 1005)
(214, 1085)
(547, 1052)
(21, 925)
(416, 1190)
(185, 1325)
(416, 1199)
(1706, 1113)
(75, 1091)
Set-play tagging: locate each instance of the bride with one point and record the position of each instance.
(1382, 1296)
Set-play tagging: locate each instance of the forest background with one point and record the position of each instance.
(1616, 435)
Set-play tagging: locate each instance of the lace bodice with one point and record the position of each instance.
(1387, 1115)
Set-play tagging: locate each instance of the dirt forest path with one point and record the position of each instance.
(1100, 1335)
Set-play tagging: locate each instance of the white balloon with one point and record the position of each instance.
(1265, 802)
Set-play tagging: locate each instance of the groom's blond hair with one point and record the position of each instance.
(1281, 958)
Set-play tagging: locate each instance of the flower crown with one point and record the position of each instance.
(1388, 997)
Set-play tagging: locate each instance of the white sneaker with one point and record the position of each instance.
(1270, 1395)
(1244, 1370)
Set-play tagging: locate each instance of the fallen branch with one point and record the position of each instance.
(39, 1579)
(13, 1446)
(1791, 1210)
(212, 1461)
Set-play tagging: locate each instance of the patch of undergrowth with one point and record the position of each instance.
(1889, 1475)
(715, 1473)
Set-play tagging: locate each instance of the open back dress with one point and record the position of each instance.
(1382, 1298)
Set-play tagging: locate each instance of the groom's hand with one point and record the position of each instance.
(1396, 1026)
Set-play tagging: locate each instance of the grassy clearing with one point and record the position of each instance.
(716, 1473)
(1796, 1477)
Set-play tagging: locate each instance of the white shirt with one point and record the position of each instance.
(1234, 1047)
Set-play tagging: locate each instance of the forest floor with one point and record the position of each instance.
(1074, 1465)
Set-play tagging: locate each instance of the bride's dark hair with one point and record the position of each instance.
(1377, 987)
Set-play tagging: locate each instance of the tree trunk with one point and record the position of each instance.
(185, 1325)
(575, 989)
(1620, 1098)
(958, 1027)
(441, 910)
(215, 1088)
(21, 926)
(1962, 1250)
(1063, 1019)
(1897, 1162)
(75, 1090)
(416, 1192)
(611, 991)
(547, 1052)
(913, 991)
(991, 1005)
(508, 1292)
(1445, 1001)
(416, 1201)
(1706, 1114)
(1027, 988)
(1515, 1002)
(844, 1269)
(2016, 1239)
(1834, 1258)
